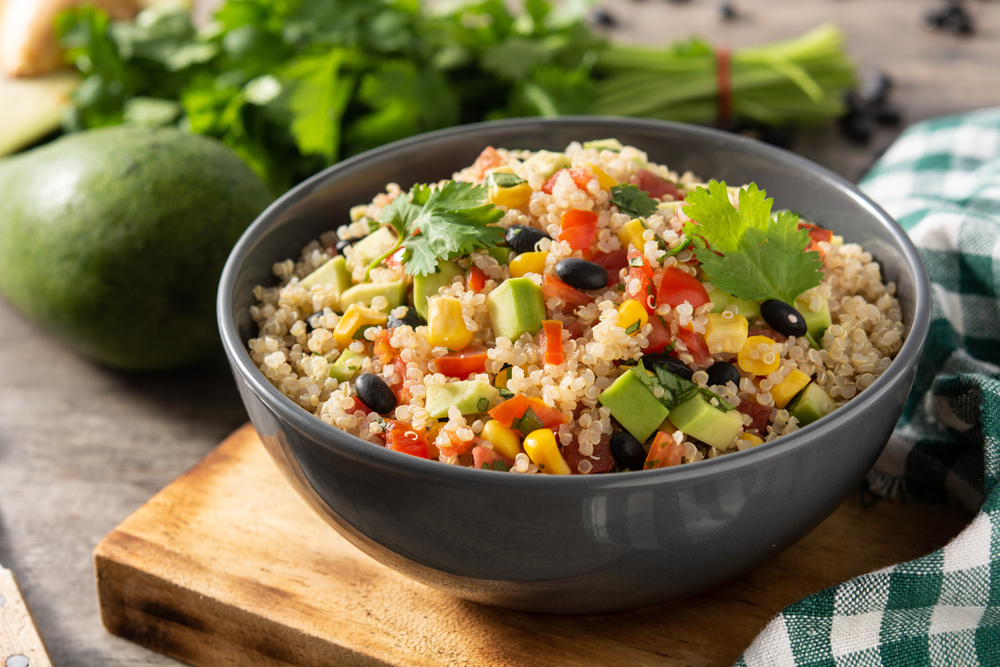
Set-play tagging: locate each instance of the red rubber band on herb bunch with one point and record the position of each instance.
(723, 82)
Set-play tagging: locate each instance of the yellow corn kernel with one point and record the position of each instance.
(541, 448)
(355, 317)
(752, 360)
(605, 181)
(517, 196)
(752, 439)
(528, 262)
(726, 334)
(505, 441)
(630, 314)
(791, 385)
(445, 326)
(631, 232)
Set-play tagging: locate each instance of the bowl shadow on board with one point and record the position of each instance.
(579, 545)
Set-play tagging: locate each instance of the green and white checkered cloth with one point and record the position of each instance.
(941, 181)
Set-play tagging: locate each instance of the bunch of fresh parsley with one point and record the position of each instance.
(294, 85)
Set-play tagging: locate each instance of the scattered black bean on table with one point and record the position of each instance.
(721, 372)
(783, 318)
(672, 364)
(726, 11)
(602, 17)
(581, 274)
(627, 451)
(951, 16)
(522, 238)
(375, 393)
(410, 318)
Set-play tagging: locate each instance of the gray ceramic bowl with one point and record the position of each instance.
(580, 544)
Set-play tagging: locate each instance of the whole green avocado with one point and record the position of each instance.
(114, 239)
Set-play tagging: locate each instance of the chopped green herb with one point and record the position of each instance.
(506, 393)
(528, 422)
(634, 327)
(503, 180)
(360, 333)
(497, 465)
(483, 404)
(440, 223)
(632, 201)
(744, 252)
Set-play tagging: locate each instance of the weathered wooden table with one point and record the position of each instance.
(81, 447)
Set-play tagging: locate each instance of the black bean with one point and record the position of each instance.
(888, 116)
(726, 11)
(410, 319)
(783, 318)
(856, 126)
(311, 321)
(522, 238)
(343, 243)
(673, 364)
(627, 451)
(375, 393)
(581, 274)
(602, 17)
(720, 373)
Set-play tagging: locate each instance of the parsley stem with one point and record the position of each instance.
(377, 261)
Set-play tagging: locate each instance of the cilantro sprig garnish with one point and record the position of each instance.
(441, 222)
(676, 389)
(747, 253)
(632, 201)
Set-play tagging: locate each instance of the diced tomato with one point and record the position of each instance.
(395, 260)
(401, 437)
(576, 329)
(461, 364)
(696, 346)
(477, 279)
(552, 341)
(358, 405)
(383, 350)
(658, 338)
(654, 185)
(613, 262)
(760, 415)
(578, 228)
(580, 177)
(484, 457)
(601, 459)
(664, 452)
(773, 335)
(454, 445)
(816, 234)
(676, 287)
(488, 159)
(553, 287)
(514, 408)
(640, 281)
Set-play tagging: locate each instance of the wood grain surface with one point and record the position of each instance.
(19, 638)
(81, 447)
(227, 565)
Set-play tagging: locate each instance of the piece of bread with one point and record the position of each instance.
(28, 44)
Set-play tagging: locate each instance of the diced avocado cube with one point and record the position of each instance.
(333, 272)
(811, 404)
(470, 396)
(346, 366)
(546, 163)
(394, 291)
(634, 406)
(500, 253)
(700, 419)
(371, 247)
(721, 300)
(818, 322)
(425, 287)
(516, 307)
(604, 145)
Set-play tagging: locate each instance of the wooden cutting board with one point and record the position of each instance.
(227, 566)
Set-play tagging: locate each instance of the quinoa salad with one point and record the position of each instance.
(579, 312)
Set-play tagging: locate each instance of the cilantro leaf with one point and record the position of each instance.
(632, 201)
(760, 258)
(440, 223)
(676, 389)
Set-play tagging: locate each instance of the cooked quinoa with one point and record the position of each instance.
(298, 346)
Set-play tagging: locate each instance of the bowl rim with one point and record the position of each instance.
(356, 448)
